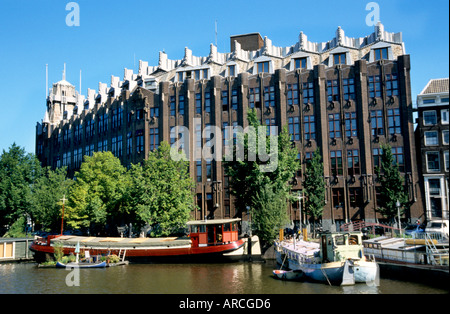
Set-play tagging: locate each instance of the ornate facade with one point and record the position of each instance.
(345, 97)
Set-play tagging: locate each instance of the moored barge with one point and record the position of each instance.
(208, 240)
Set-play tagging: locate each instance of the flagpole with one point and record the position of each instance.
(62, 217)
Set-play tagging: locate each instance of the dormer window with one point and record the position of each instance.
(381, 53)
(300, 63)
(339, 58)
(232, 70)
(263, 67)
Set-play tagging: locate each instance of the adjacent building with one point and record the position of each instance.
(345, 96)
(432, 146)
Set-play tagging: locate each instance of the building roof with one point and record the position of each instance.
(436, 86)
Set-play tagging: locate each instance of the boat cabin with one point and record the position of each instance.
(213, 232)
(340, 246)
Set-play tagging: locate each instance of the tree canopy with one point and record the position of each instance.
(265, 192)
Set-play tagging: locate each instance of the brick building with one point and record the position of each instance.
(432, 146)
(345, 96)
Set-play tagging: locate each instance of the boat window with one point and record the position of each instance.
(234, 226)
(353, 240)
(226, 227)
(339, 240)
(202, 228)
(194, 229)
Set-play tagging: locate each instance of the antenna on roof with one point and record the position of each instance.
(216, 31)
(80, 81)
(46, 81)
(64, 72)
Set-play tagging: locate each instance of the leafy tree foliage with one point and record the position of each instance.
(266, 193)
(48, 191)
(391, 185)
(97, 196)
(18, 172)
(314, 187)
(161, 192)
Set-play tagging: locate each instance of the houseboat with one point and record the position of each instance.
(208, 240)
(337, 259)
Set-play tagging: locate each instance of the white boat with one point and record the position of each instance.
(337, 259)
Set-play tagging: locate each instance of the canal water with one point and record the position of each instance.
(232, 278)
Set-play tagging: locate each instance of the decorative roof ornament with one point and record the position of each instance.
(340, 36)
(303, 39)
(379, 31)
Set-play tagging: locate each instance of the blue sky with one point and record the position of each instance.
(114, 35)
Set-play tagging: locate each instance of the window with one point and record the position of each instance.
(205, 73)
(310, 127)
(292, 94)
(445, 137)
(154, 139)
(339, 58)
(338, 198)
(294, 128)
(391, 85)
(269, 96)
(429, 101)
(376, 117)
(199, 170)
(431, 138)
(308, 93)
(351, 124)
(198, 135)
(119, 146)
(433, 163)
(172, 105)
(129, 143)
(181, 104)
(197, 74)
(198, 103)
(225, 100)
(180, 76)
(355, 196)
(336, 162)
(444, 116)
(353, 162)
(300, 63)
(381, 53)
(234, 99)
(231, 70)
(208, 170)
(333, 90)
(446, 160)
(334, 125)
(139, 141)
(429, 117)
(376, 153)
(271, 127)
(254, 97)
(397, 154)
(154, 112)
(374, 86)
(393, 116)
(263, 67)
(207, 102)
(349, 88)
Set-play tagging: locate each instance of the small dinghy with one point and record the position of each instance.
(288, 274)
(81, 265)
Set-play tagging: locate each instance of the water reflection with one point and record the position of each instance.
(234, 278)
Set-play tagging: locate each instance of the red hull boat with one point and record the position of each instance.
(208, 240)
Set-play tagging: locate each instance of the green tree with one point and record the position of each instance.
(392, 186)
(48, 191)
(18, 172)
(266, 193)
(314, 187)
(97, 196)
(161, 192)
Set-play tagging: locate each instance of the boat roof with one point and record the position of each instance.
(212, 221)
